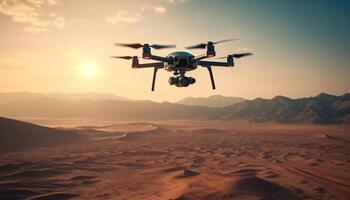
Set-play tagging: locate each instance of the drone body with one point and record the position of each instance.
(180, 62)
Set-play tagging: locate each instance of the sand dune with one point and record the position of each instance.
(178, 160)
(18, 135)
(214, 186)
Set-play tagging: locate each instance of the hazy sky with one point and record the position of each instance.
(301, 47)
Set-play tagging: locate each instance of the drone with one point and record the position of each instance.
(180, 62)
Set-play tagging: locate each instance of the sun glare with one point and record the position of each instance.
(88, 70)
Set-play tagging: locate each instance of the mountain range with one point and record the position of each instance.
(321, 109)
(8, 97)
(211, 101)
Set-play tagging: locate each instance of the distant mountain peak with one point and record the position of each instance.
(346, 95)
(323, 94)
(215, 96)
(325, 97)
(280, 97)
(259, 99)
(211, 101)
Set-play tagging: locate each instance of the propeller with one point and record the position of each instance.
(238, 55)
(123, 57)
(204, 45)
(138, 45)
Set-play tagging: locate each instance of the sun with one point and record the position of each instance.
(88, 70)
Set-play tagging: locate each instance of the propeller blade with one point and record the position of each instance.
(160, 46)
(204, 45)
(130, 45)
(240, 55)
(197, 46)
(222, 41)
(139, 45)
(236, 55)
(123, 57)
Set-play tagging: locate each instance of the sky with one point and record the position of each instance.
(301, 48)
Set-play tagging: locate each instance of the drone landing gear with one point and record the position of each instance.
(181, 81)
(154, 77)
(211, 77)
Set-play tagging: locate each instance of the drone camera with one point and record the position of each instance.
(181, 81)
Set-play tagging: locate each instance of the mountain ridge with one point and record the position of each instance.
(6, 97)
(211, 101)
(321, 109)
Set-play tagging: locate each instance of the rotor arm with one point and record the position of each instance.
(158, 58)
(149, 65)
(156, 66)
(214, 64)
(200, 57)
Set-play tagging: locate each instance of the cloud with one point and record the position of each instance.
(174, 1)
(159, 9)
(34, 29)
(144, 8)
(129, 17)
(29, 12)
(52, 2)
(124, 16)
(59, 22)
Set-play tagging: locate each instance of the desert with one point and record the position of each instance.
(180, 159)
